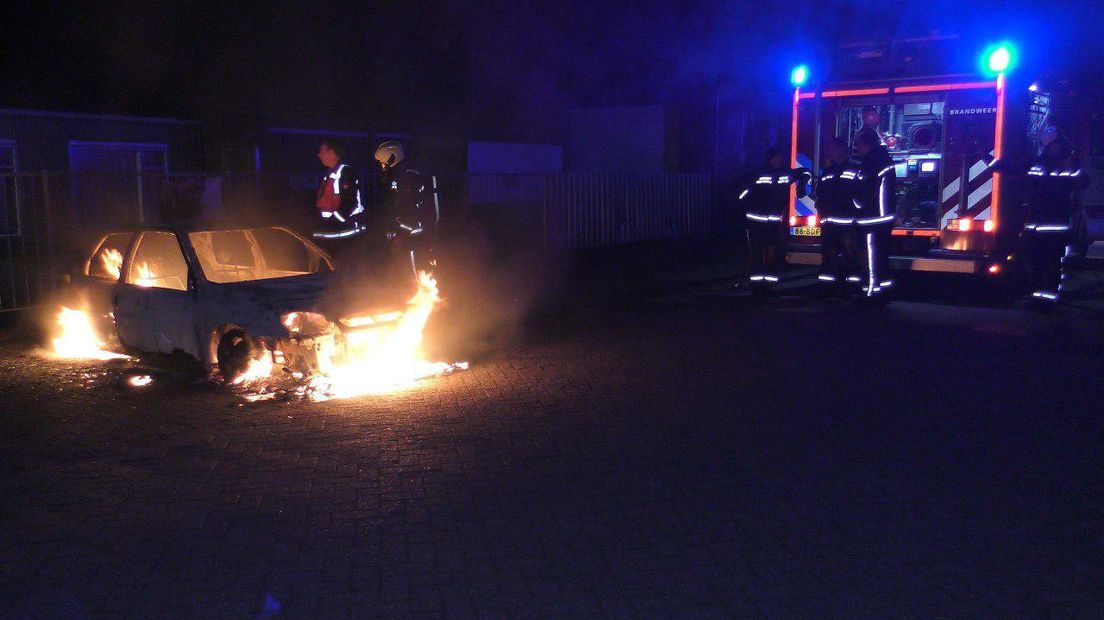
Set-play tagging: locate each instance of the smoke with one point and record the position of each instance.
(493, 274)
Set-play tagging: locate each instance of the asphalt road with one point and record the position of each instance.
(689, 455)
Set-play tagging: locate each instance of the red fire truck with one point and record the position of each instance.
(959, 209)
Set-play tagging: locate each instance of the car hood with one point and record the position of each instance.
(297, 293)
(258, 305)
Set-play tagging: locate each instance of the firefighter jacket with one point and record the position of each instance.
(835, 194)
(339, 201)
(411, 204)
(875, 198)
(767, 198)
(1051, 187)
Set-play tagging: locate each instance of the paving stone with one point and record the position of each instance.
(686, 456)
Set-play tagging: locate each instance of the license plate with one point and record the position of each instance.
(805, 231)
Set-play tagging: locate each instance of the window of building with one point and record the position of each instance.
(118, 157)
(8, 161)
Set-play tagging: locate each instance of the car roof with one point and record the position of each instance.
(190, 227)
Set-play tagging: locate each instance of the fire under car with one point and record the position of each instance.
(228, 296)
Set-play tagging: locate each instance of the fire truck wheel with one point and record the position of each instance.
(235, 350)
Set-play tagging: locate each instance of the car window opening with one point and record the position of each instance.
(256, 254)
(158, 263)
(107, 261)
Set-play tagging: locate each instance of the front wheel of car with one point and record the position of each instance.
(234, 354)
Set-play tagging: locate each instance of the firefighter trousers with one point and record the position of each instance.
(1047, 255)
(766, 251)
(873, 248)
(838, 252)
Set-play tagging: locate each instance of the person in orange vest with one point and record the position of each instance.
(338, 200)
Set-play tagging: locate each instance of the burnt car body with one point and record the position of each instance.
(226, 296)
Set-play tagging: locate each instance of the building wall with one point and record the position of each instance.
(295, 151)
(636, 139)
(514, 158)
(42, 138)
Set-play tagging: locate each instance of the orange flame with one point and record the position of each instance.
(145, 277)
(77, 338)
(388, 357)
(259, 368)
(112, 262)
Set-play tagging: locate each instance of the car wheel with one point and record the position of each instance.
(234, 353)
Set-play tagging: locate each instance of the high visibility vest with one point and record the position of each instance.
(329, 192)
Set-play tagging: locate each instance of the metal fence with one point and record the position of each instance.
(577, 211)
(26, 233)
(48, 220)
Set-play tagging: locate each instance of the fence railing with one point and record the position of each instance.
(576, 211)
(47, 219)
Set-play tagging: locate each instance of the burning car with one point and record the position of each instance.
(244, 299)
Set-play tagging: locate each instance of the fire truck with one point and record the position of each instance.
(957, 143)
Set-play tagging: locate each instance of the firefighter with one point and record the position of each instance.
(766, 203)
(411, 211)
(875, 209)
(338, 199)
(834, 200)
(872, 120)
(1053, 180)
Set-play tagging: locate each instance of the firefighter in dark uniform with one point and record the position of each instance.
(1053, 180)
(338, 199)
(766, 202)
(875, 205)
(411, 212)
(835, 194)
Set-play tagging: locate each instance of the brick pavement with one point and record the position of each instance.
(667, 458)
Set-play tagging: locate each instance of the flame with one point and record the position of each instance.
(78, 339)
(387, 357)
(140, 380)
(112, 262)
(361, 321)
(259, 368)
(145, 276)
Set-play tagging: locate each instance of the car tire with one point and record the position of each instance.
(235, 350)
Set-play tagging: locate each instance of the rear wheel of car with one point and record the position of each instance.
(235, 350)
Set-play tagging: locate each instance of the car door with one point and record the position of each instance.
(153, 304)
(100, 275)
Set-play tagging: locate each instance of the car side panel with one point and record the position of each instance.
(132, 315)
(171, 322)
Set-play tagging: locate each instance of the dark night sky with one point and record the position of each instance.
(496, 69)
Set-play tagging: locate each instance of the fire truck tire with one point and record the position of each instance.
(235, 350)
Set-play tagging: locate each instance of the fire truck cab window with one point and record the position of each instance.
(107, 261)
(254, 254)
(913, 134)
(158, 263)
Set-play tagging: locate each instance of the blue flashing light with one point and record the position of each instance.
(999, 58)
(799, 76)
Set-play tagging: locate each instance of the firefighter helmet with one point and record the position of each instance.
(389, 154)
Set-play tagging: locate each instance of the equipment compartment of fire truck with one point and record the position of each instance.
(950, 138)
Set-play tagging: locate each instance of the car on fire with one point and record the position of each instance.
(228, 296)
